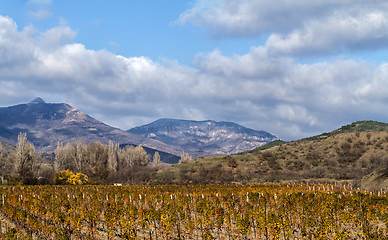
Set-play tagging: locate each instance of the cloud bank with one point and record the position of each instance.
(299, 27)
(265, 89)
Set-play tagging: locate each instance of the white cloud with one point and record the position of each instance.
(338, 32)
(252, 17)
(15, 47)
(57, 36)
(257, 89)
(40, 14)
(298, 27)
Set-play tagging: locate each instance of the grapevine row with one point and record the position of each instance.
(197, 212)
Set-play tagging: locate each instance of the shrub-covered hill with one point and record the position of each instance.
(349, 153)
(360, 126)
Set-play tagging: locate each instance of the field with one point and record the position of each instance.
(287, 211)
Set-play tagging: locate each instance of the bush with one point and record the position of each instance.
(68, 177)
(268, 156)
(314, 157)
(368, 136)
(232, 162)
(347, 154)
(295, 165)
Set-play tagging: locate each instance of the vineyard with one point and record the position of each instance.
(293, 211)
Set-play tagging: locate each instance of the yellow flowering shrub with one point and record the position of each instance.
(68, 177)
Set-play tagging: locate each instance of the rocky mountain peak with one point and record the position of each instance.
(37, 100)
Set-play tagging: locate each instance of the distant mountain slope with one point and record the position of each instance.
(48, 123)
(204, 137)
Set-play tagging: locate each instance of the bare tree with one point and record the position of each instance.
(25, 158)
(79, 159)
(60, 162)
(95, 156)
(113, 156)
(156, 160)
(73, 157)
(140, 156)
(185, 157)
(132, 156)
(126, 158)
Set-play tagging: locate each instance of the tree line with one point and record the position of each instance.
(100, 163)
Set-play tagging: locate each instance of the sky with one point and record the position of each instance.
(292, 68)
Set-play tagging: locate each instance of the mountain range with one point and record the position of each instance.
(204, 137)
(46, 124)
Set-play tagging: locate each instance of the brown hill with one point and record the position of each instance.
(347, 154)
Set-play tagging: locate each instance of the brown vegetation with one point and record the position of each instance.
(341, 157)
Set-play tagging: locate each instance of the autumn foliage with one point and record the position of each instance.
(68, 177)
(293, 211)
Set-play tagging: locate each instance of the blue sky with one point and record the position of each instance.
(293, 68)
(129, 28)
